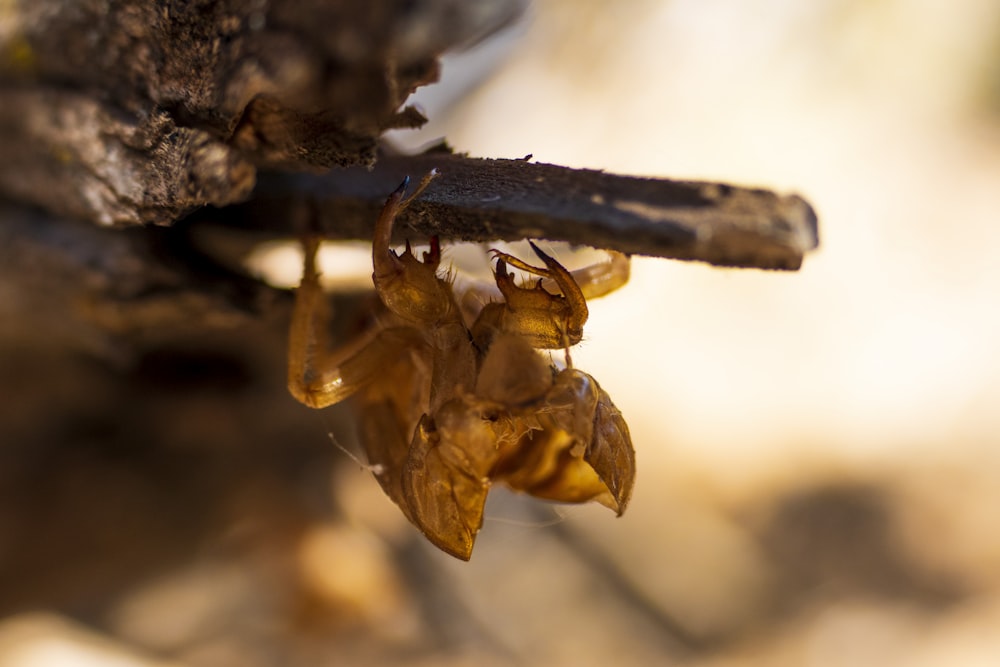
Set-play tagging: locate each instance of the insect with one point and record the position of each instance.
(454, 395)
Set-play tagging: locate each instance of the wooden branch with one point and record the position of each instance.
(484, 200)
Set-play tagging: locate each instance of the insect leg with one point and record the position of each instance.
(318, 375)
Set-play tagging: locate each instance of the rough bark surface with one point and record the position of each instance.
(142, 111)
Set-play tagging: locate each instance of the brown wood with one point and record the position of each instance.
(484, 200)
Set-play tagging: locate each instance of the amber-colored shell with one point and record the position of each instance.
(449, 406)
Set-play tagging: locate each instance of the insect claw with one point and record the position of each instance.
(424, 182)
(401, 190)
(433, 256)
(541, 255)
(552, 267)
(524, 266)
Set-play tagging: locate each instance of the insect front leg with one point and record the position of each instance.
(407, 286)
(411, 289)
(546, 320)
(318, 375)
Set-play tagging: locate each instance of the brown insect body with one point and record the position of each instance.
(453, 400)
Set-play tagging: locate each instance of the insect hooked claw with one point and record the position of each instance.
(394, 205)
(505, 258)
(401, 190)
(424, 182)
(432, 257)
(541, 255)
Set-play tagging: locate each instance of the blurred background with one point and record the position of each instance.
(818, 452)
